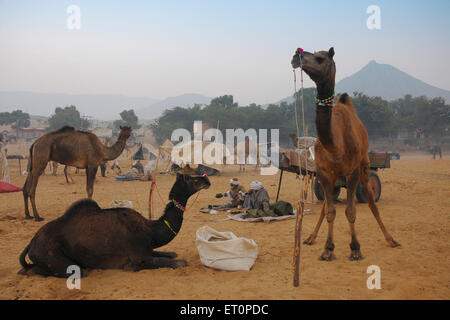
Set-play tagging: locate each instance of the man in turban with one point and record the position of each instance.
(235, 195)
(257, 198)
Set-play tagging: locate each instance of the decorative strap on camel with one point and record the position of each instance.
(178, 205)
(328, 102)
(169, 226)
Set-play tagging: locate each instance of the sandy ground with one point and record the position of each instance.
(414, 205)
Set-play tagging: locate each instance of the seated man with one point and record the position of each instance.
(257, 200)
(235, 195)
(257, 203)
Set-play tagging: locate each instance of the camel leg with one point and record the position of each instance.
(328, 186)
(32, 196)
(26, 195)
(30, 188)
(364, 180)
(65, 174)
(160, 262)
(350, 212)
(55, 265)
(313, 235)
(69, 178)
(164, 254)
(91, 172)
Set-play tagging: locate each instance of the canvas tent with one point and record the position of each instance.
(200, 152)
(211, 153)
(150, 152)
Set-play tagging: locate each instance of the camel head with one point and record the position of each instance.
(125, 133)
(192, 183)
(319, 66)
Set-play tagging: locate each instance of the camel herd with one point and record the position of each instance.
(79, 236)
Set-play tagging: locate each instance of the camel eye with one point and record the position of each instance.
(319, 59)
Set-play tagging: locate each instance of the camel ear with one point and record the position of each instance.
(120, 127)
(331, 52)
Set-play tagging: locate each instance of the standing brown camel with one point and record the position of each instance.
(72, 148)
(340, 150)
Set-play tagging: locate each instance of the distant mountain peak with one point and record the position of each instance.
(385, 81)
(388, 82)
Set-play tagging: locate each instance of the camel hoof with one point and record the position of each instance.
(393, 243)
(28, 217)
(327, 256)
(179, 263)
(309, 241)
(171, 255)
(355, 256)
(38, 219)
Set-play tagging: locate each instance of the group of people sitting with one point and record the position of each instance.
(255, 203)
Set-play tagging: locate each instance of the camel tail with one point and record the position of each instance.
(22, 260)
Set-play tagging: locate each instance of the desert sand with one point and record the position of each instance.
(414, 205)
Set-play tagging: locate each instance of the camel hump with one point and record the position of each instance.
(65, 129)
(84, 204)
(344, 98)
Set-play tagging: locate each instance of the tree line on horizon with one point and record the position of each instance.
(382, 118)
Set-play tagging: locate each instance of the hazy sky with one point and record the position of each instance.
(166, 48)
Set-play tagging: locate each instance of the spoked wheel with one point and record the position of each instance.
(319, 192)
(375, 186)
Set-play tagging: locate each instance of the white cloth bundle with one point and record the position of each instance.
(224, 250)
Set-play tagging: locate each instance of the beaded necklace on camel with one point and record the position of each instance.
(180, 207)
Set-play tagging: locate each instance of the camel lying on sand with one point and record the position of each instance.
(115, 238)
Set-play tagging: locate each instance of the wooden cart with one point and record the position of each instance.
(378, 160)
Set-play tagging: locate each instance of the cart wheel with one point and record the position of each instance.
(375, 185)
(319, 193)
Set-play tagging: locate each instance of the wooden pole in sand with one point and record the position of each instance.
(152, 186)
(279, 184)
(297, 245)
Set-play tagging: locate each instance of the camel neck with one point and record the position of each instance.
(325, 90)
(115, 150)
(167, 227)
(324, 115)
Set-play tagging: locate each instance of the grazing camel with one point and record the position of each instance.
(73, 148)
(340, 150)
(114, 238)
